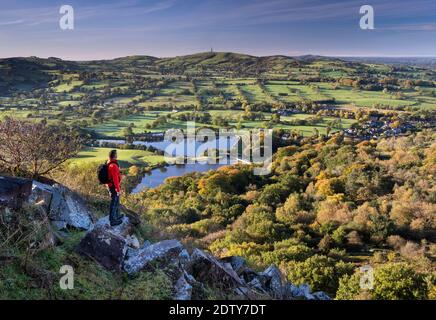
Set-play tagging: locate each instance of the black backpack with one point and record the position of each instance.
(103, 173)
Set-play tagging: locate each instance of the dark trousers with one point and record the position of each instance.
(114, 209)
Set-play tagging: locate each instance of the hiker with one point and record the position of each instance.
(113, 186)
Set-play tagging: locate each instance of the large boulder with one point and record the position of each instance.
(14, 191)
(248, 275)
(106, 247)
(238, 263)
(63, 207)
(207, 269)
(183, 290)
(187, 288)
(268, 282)
(320, 295)
(123, 230)
(160, 252)
(273, 284)
(303, 292)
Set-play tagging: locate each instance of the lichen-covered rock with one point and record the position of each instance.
(184, 259)
(273, 284)
(123, 230)
(183, 290)
(133, 242)
(61, 205)
(305, 292)
(67, 206)
(238, 263)
(59, 225)
(302, 292)
(248, 275)
(163, 251)
(258, 284)
(107, 248)
(298, 292)
(319, 295)
(207, 269)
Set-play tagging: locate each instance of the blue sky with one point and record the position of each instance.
(112, 28)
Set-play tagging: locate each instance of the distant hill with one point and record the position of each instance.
(28, 73)
(32, 72)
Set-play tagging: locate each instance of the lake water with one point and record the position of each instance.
(157, 176)
(186, 147)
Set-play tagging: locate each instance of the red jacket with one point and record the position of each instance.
(114, 175)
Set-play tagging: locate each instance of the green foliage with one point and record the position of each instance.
(273, 194)
(320, 272)
(349, 287)
(398, 281)
(392, 281)
(296, 209)
(256, 224)
(279, 254)
(309, 205)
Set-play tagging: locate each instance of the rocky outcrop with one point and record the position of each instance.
(123, 230)
(183, 290)
(105, 247)
(63, 207)
(303, 292)
(207, 269)
(14, 191)
(118, 249)
(190, 272)
(108, 245)
(161, 252)
(237, 263)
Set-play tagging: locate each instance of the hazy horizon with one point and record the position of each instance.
(242, 53)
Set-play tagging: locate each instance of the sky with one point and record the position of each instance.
(165, 28)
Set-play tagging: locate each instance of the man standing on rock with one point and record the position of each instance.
(114, 187)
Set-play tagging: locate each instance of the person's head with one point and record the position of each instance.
(113, 155)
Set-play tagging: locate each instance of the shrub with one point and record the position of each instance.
(392, 281)
(398, 281)
(255, 224)
(349, 287)
(292, 253)
(320, 272)
(133, 171)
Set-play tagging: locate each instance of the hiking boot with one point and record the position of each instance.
(116, 222)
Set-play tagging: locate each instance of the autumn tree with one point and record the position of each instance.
(34, 149)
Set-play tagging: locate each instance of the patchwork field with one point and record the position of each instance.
(137, 94)
(127, 157)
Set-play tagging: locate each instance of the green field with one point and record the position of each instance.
(108, 96)
(125, 157)
(114, 128)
